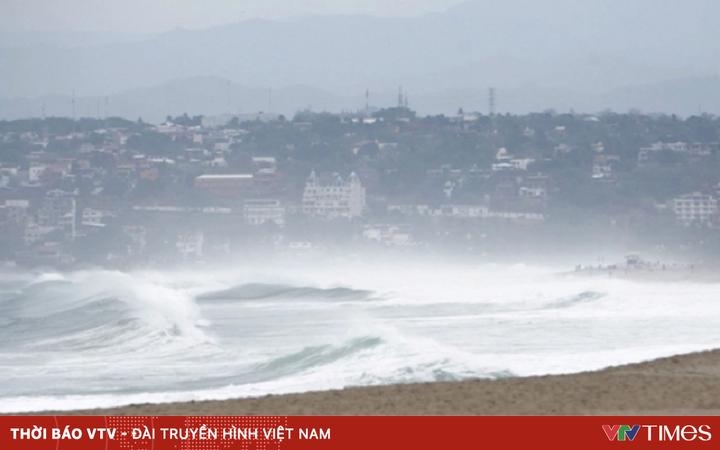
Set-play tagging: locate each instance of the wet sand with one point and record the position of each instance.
(680, 385)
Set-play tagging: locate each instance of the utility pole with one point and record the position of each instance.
(491, 101)
(73, 110)
(45, 125)
(367, 103)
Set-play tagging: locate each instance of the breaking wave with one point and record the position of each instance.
(94, 309)
(582, 298)
(106, 338)
(257, 291)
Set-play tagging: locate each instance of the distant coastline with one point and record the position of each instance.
(700, 273)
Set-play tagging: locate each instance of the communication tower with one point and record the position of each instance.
(367, 103)
(491, 101)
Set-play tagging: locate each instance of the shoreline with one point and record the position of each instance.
(691, 273)
(678, 385)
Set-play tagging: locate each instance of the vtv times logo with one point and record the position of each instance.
(660, 432)
(622, 432)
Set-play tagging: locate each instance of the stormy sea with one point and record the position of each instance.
(99, 338)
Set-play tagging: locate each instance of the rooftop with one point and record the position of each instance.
(225, 177)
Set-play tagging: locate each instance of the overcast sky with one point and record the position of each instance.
(149, 16)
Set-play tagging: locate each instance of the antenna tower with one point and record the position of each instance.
(491, 101)
(367, 103)
(73, 110)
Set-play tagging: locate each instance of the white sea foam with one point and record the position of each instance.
(103, 338)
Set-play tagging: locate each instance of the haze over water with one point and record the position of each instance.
(101, 338)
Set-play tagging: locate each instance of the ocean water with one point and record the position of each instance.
(100, 338)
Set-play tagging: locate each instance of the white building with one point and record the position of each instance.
(258, 212)
(645, 152)
(704, 149)
(517, 216)
(532, 192)
(265, 161)
(138, 238)
(9, 171)
(601, 169)
(58, 212)
(392, 235)
(604, 165)
(411, 210)
(35, 173)
(190, 245)
(340, 199)
(522, 164)
(15, 210)
(222, 147)
(695, 208)
(503, 155)
(502, 167)
(464, 211)
(93, 216)
(35, 232)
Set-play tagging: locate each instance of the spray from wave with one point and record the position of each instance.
(102, 338)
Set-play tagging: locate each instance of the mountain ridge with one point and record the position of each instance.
(556, 46)
(210, 95)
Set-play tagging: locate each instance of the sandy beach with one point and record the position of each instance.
(680, 385)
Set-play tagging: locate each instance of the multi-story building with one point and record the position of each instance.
(58, 212)
(464, 211)
(604, 165)
(645, 153)
(93, 216)
(393, 235)
(225, 184)
(340, 199)
(258, 212)
(522, 164)
(704, 149)
(190, 245)
(34, 233)
(138, 238)
(695, 208)
(268, 181)
(15, 211)
(35, 172)
(532, 192)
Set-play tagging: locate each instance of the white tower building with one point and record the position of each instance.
(340, 199)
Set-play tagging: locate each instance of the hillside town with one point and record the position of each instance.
(123, 193)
